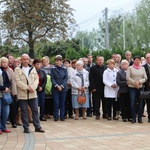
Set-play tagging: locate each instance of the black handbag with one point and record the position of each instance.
(145, 94)
(7, 99)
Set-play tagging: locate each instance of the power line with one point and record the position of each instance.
(125, 5)
(91, 18)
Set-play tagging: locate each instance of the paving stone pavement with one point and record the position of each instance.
(89, 134)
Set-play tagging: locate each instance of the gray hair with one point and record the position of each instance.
(124, 61)
(128, 52)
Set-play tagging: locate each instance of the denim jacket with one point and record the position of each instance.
(59, 76)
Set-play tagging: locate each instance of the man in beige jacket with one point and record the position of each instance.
(27, 81)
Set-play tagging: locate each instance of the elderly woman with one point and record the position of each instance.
(124, 91)
(80, 82)
(4, 109)
(59, 77)
(136, 76)
(13, 90)
(46, 67)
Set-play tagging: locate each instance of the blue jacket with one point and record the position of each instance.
(59, 76)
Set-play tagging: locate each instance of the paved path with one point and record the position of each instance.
(80, 134)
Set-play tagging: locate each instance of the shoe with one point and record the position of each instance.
(7, 122)
(97, 118)
(14, 126)
(65, 117)
(6, 131)
(140, 120)
(89, 115)
(115, 118)
(148, 120)
(84, 118)
(55, 119)
(71, 117)
(26, 130)
(62, 119)
(30, 121)
(39, 130)
(143, 115)
(129, 119)
(124, 120)
(76, 118)
(43, 119)
(109, 118)
(1, 132)
(133, 121)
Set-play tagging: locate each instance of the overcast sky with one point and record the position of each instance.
(88, 12)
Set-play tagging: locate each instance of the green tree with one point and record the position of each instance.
(31, 20)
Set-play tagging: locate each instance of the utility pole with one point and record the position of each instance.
(124, 39)
(106, 29)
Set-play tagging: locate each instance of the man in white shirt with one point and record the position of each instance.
(27, 81)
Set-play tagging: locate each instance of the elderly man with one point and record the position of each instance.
(27, 82)
(97, 86)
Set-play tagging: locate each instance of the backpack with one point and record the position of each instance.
(48, 85)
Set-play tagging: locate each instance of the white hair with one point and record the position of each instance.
(80, 62)
(124, 61)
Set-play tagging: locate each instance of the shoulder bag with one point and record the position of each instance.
(7, 99)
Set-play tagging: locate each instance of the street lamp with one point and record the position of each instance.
(124, 37)
(124, 41)
(83, 41)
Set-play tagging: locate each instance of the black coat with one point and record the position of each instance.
(96, 78)
(121, 81)
(6, 82)
(147, 88)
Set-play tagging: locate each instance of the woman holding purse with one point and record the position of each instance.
(80, 83)
(4, 109)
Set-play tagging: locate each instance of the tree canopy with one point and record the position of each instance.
(31, 20)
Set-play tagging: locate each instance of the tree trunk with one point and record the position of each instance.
(31, 50)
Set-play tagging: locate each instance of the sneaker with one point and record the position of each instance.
(6, 131)
(1, 132)
(39, 130)
(26, 130)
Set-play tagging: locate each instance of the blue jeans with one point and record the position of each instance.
(4, 113)
(59, 98)
(41, 102)
(24, 112)
(135, 102)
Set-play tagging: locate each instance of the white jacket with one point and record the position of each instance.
(76, 81)
(109, 78)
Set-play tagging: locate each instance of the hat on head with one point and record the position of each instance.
(58, 57)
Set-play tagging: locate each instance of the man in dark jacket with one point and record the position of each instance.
(147, 83)
(97, 86)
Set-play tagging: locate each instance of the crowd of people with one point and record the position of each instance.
(41, 90)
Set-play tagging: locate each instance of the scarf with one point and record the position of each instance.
(136, 67)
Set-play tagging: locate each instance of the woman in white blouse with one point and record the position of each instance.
(111, 88)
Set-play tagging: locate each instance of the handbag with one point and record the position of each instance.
(7, 99)
(81, 97)
(145, 94)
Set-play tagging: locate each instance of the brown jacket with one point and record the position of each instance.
(13, 87)
(22, 83)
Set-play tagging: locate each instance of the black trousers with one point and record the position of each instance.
(13, 110)
(68, 104)
(49, 105)
(148, 107)
(111, 104)
(125, 105)
(97, 98)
